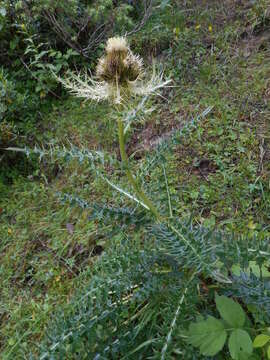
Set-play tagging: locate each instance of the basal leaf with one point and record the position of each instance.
(209, 335)
(230, 311)
(240, 344)
(261, 340)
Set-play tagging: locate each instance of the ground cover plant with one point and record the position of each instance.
(119, 283)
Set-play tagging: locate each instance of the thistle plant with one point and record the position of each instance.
(142, 298)
(119, 78)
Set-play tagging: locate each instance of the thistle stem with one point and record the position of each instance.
(132, 180)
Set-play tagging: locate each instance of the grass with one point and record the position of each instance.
(220, 174)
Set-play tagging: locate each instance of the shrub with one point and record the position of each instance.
(75, 24)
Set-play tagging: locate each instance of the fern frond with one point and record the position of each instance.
(140, 301)
(209, 252)
(127, 301)
(252, 290)
(62, 152)
(193, 248)
(105, 213)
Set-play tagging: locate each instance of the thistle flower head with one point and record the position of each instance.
(119, 64)
(119, 75)
(116, 44)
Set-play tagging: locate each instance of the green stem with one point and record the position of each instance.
(133, 181)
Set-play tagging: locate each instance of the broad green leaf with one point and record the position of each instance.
(209, 335)
(230, 311)
(260, 340)
(252, 266)
(240, 344)
(236, 269)
(257, 271)
(268, 352)
(3, 11)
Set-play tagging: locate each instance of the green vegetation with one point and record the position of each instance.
(73, 249)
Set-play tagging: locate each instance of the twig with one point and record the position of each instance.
(147, 14)
(262, 154)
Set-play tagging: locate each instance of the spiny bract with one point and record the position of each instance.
(119, 76)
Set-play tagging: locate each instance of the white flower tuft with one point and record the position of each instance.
(116, 44)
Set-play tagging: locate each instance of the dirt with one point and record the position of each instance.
(152, 134)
